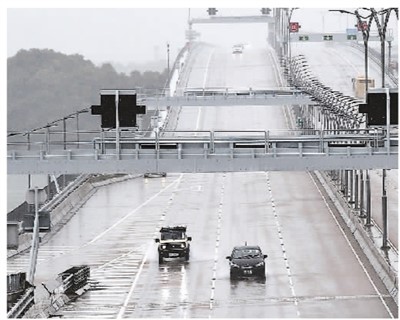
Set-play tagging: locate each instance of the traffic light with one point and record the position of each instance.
(375, 108)
(29, 221)
(265, 10)
(127, 109)
(294, 27)
(328, 37)
(362, 26)
(212, 11)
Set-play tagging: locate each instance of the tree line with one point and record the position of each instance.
(44, 85)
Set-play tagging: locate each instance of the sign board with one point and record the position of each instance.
(351, 31)
(12, 234)
(44, 222)
(30, 196)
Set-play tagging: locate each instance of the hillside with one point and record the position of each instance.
(44, 85)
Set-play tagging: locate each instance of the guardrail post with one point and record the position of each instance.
(179, 151)
(266, 141)
(157, 147)
(28, 138)
(212, 141)
(117, 142)
(300, 149)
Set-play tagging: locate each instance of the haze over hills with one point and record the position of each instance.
(44, 85)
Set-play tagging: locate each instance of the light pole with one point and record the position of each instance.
(77, 125)
(289, 49)
(365, 34)
(168, 58)
(382, 27)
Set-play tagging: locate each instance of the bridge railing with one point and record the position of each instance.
(49, 142)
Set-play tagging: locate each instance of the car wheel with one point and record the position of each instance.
(160, 258)
(187, 255)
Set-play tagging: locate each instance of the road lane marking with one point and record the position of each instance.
(132, 212)
(214, 276)
(207, 68)
(352, 248)
(130, 293)
(278, 227)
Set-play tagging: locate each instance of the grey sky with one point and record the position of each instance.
(140, 35)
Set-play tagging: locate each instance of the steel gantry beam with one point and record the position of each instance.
(208, 151)
(331, 37)
(233, 19)
(206, 97)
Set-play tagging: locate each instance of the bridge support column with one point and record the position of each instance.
(384, 213)
(351, 183)
(356, 184)
(368, 200)
(362, 185)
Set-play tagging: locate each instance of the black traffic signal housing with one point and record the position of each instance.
(127, 108)
(212, 11)
(265, 10)
(375, 108)
(28, 220)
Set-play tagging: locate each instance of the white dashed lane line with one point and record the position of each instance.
(280, 235)
(220, 211)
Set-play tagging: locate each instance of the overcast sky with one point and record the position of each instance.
(138, 34)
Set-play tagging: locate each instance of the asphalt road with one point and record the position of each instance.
(313, 268)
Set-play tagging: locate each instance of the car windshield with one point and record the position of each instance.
(174, 235)
(246, 253)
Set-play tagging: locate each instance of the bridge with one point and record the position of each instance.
(266, 147)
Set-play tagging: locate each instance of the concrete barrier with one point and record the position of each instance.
(66, 204)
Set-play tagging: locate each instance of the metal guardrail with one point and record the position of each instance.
(23, 305)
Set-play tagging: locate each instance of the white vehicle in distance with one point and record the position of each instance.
(238, 48)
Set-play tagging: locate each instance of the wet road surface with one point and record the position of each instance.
(313, 268)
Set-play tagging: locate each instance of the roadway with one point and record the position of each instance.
(313, 268)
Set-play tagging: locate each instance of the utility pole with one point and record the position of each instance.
(168, 58)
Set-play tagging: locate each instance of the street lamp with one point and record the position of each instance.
(382, 26)
(289, 50)
(382, 36)
(365, 34)
(77, 124)
(168, 58)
